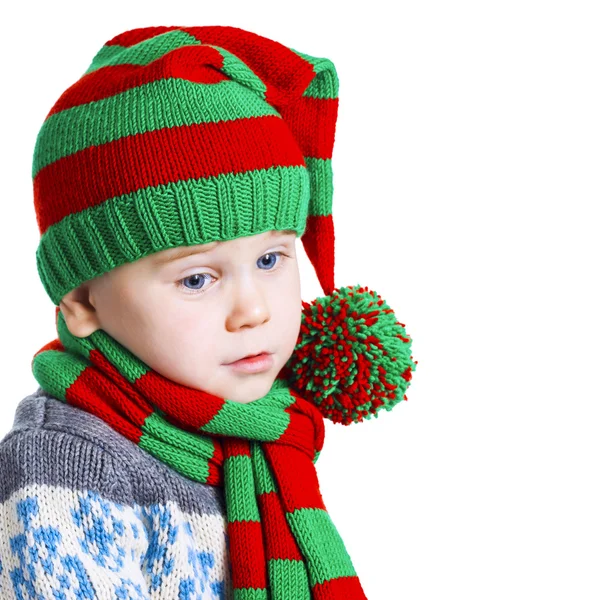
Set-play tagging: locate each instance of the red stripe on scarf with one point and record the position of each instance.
(280, 542)
(296, 477)
(237, 447)
(53, 345)
(93, 393)
(188, 408)
(246, 551)
(340, 587)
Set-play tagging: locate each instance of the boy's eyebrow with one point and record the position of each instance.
(186, 251)
(182, 253)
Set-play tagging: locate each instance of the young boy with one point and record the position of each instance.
(169, 451)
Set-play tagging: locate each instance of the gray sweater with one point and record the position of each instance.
(87, 514)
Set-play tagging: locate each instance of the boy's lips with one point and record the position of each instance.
(255, 354)
(253, 363)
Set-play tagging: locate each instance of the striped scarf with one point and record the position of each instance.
(283, 544)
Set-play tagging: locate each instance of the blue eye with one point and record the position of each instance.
(270, 254)
(196, 278)
(200, 278)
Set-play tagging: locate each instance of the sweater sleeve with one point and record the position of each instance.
(63, 533)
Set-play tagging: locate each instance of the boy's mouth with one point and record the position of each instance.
(262, 353)
(253, 363)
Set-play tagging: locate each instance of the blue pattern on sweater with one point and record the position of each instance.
(103, 529)
(86, 514)
(39, 545)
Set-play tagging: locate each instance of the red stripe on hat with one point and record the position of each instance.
(91, 176)
(135, 36)
(340, 587)
(194, 63)
(258, 52)
(280, 542)
(312, 122)
(295, 476)
(246, 552)
(284, 83)
(191, 409)
(319, 243)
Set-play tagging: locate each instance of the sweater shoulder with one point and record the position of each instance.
(77, 499)
(53, 444)
(57, 444)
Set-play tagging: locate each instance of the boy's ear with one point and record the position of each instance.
(79, 312)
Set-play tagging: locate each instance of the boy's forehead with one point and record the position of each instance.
(171, 254)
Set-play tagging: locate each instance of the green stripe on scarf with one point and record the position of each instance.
(83, 371)
(328, 556)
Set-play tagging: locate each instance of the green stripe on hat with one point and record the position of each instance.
(321, 185)
(106, 120)
(188, 212)
(144, 52)
(326, 83)
(240, 72)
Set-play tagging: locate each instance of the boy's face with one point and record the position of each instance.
(188, 318)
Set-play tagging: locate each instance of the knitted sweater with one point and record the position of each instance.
(87, 514)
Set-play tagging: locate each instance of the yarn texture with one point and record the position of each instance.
(177, 136)
(282, 541)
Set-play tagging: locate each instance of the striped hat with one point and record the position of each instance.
(178, 136)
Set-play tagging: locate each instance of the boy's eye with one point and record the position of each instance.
(261, 262)
(195, 280)
(265, 262)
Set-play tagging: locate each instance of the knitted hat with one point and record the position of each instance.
(179, 136)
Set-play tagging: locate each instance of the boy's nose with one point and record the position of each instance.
(248, 309)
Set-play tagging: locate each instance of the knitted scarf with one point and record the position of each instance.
(283, 544)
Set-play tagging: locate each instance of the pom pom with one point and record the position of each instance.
(352, 357)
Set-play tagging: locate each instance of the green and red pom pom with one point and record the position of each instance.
(352, 357)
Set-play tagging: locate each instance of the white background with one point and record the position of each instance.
(466, 194)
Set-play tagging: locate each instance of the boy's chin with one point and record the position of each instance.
(251, 389)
